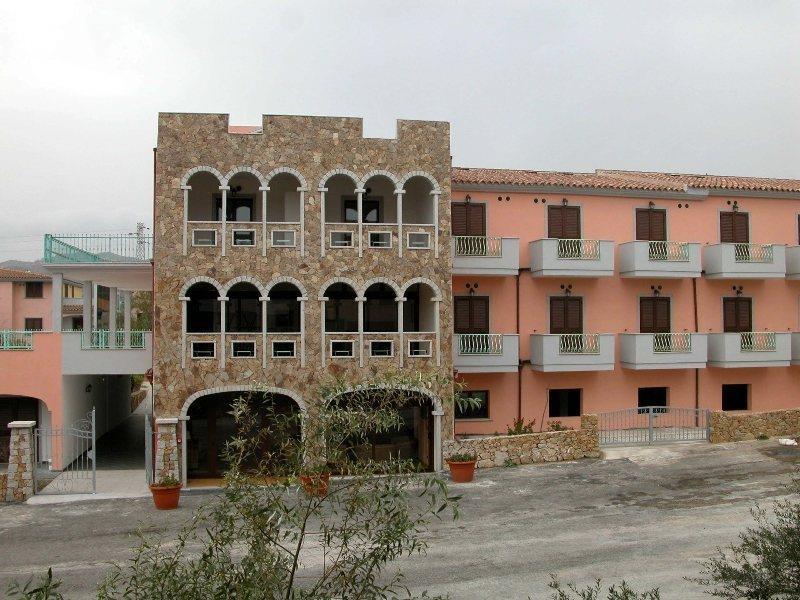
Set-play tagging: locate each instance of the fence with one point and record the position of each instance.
(16, 340)
(758, 253)
(473, 245)
(757, 341)
(648, 425)
(578, 343)
(672, 342)
(65, 458)
(669, 251)
(480, 343)
(579, 249)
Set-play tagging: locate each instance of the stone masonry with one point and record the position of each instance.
(19, 482)
(728, 427)
(166, 458)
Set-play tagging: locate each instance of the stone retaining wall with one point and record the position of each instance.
(547, 446)
(728, 427)
(3, 480)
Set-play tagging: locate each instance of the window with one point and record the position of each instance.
(243, 349)
(476, 412)
(34, 289)
(564, 222)
(238, 209)
(654, 315)
(737, 314)
(651, 224)
(565, 403)
(652, 396)
(381, 348)
(380, 239)
(283, 309)
(342, 348)
(419, 348)
(71, 290)
(468, 218)
(244, 237)
(204, 237)
(418, 240)
(370, 209)
(471, 314)
(33, 324)
(735, 396)
(566, 314)
(204, 349)
(283, 349)
(734, 227)
(282, 238)
(341, 239)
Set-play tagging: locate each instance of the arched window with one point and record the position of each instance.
(243, 309)
(379, 203)
(341, 309)
(283, 309)
(202, 203)
(418, 201)
(419, 309)
(202, 310)
(380, 308)
(283, 204)
(243, 203)
(340, 200)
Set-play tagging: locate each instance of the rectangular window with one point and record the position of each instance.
(204, 349)
(72, 291)
(283, 238)
(238, 208)
(471, 314)
(380, 239)
(342, 348)
(654, 315)
(566, 314)
(244, 237)
(419, 348)
(243, 349)
(651, 224)
(565, 402)
(204, 237)
(283, 349)
(652, 396)
(564, 222)
(734, 227)
(381, 348)
(474, 412)
(418, 240)
(468, 219)
(737, 314)
(33, 324)
(341, 239)
(735, 396)
(34, 289)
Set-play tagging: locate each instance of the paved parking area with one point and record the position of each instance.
(645, 514)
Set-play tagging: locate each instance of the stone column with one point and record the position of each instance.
(302, 191)
(302, 300)
(87, 309)
(183, 449)
(360, 300)
(322, 301)
(126, 318)
(399, 194)
(359, 201)
(436, 328)
(435, 195)
(185, 189)
(264, 300)
(112, 317)
(322, 192)
(264, 191)
(224, 216)
(57, 290)
(166, 463)
(19, 483)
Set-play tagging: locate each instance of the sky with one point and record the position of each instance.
(700, 87)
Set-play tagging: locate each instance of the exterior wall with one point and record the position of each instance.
(36, 308)
(6, 304)
(727, 427)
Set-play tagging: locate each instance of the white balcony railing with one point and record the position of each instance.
(757, 341)
(672, 342)
(480, 343)
(669, 251)
(753, 253)
(16, 340)
(578, 343)
(579, 249)
(473, 245)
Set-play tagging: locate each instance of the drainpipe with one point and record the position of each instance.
(519, 367)
(696, 329)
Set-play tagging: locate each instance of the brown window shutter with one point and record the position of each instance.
(555, 221)
(658, 225)
(480, 314)
(461, 321)
(729, 314)
(476, 219)
(647, 321)
(572, 222)
(726, 227)
(741, 228)
(642, 224)
(574, 320)
(745, 313)
(661, 319)
(458, 215)
(558, 315)
(737, 314)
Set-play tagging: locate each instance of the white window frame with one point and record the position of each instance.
(330, 239)
(233, 238)
(430, 349)
(408, 240)
(279, 356)
(371, 245)
(272, 238)
(195, 231)
(352, 348)
(391, 346)
(251, 342)
(213, 356)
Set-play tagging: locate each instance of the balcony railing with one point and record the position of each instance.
(672, 342)
(579, 249)
(474, 245)
(757, 341)
(480, 343)
(16, 340)
(578, 343)
(671, 251)
(89, 248)
(754, 253)
(101, 339)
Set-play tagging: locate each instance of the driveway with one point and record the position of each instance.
(646, 514)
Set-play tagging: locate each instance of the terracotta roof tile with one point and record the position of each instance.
(714, 182)
(18, 275)
(245, 129)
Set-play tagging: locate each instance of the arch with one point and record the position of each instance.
(244, 279)
(379, 173)
(243, 388)
(250, 170)
(324, 287)
(363, 291)
(333, 172)
(435, 400)
(426, 281)
(288, 170)
(188, 175)
(436, 189)
(201, 279)
(286, 279)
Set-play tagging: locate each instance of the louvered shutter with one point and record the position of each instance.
(658, 225)
(647, 315)
(642, 224)
(476, 219)
(572, 222)
(741, 229)
(461, 321)
(744, 314)
(574, 315)
(480, 314)
(726, 227)
(458, 214)
(555, 222)
(558, 315)
(661, 320)
(729, 314)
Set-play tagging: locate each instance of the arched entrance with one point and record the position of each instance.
(14, 408)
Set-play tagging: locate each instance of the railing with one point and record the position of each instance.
(578, 343)
(757, 341)
(474, 245)
(579, 249)
(755, 253)
(100, 339)
(672, 342)
(89, 248)
(16, 340)
(652, 424)
(480, 343)
(671, 251)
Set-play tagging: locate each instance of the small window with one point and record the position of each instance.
(342, 348)
(419, 240)
(380, 239)
(419, 348)
(474, 412)
(33, 325)
(243, 349)
(34, 289)
(565, 403)
(381, 348)
(283, 238)
(735, 396)
(204, 349)
(204, 237)
(341, 239)
(244, 237)
(652, 396)
(283, 349)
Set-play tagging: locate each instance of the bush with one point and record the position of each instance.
(521, 428)
(462, 457)
(592, 592)
(558, 426)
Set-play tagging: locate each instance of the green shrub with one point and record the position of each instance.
(558, 426)
(521, 428)
(462, 457)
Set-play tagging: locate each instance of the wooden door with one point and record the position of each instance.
(737, 314)
(564, 222)
(734, 228)
(471, 314)
(654, 315)
(651, 224)
(566, 314)
(468, 219)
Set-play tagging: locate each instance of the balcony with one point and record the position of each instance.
(106, 353)
(744, 261)
(659, 259)
(642, 351)
(485, 352)
(16, 340)
(571, 258)
(480, 255)
(749, 349)
(793, 262)
(572, 352)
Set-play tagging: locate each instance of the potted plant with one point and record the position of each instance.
(462, 467)
(316, 481)
(166, 493)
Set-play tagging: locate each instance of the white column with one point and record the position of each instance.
(322, 221)
(302, 300)
(224, 216)
(361, 300)
(112, 317)
(57, 291)
(435, 195)
(402, 348)
(399, 194)
(185, 189)
(322, 300)
(222, 302)
(126, 318)
(359, 200)
(184, 300)
(264, 300)
(438, 332)
(95, 296)
(302, 191)
(264, 191)
(88, 290)
(437, 440)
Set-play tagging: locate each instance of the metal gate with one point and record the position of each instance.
(653, 424)
(65, 458)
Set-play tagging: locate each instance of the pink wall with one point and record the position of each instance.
(15, 307)
(6, 304)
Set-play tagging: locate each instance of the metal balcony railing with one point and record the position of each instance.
(579, 249)
(579, 343)
(672, 342)
(100, 339)
(89, 248)
(757, 341)
(16, 340)
(474, 245)
(669, 251)
(754, 253)
(480, 343)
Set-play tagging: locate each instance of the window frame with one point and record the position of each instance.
(284, 356)
(487, 405)
(194, 238)
(427, 235)
(371, 245)
(346, 232)
(391, 349)
(748, 397)
(35, 285)
(420, 341)
(212, 342)
(39, 319)
(252, 232)
(248, 342)
(566, 416)
(352, 348)
(272, 238)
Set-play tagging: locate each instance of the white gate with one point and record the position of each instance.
(65, 458)
(653, 424)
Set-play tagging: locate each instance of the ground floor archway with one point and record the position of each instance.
(14, 408)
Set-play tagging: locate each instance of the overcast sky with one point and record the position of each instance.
(710, 87)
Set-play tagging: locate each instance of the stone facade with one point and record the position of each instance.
(19, 481)
(728, 427)
(547, 446)
(166, 458)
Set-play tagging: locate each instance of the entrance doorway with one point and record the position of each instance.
(14, 408)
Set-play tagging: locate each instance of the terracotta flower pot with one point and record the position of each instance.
(166, 497)
(462, 472)
(316, 484)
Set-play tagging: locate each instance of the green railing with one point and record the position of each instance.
(90, 248)
(101, 339)
(16, 340)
